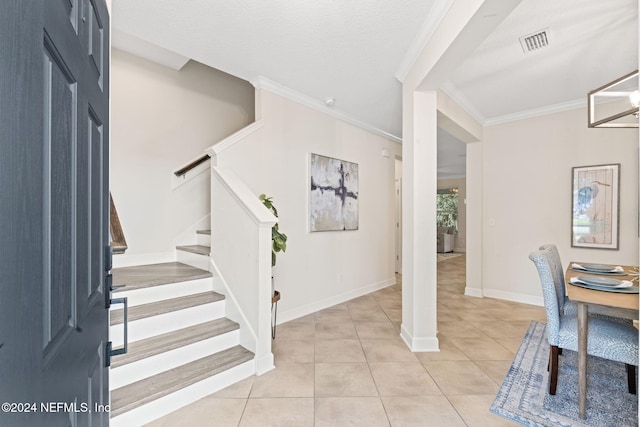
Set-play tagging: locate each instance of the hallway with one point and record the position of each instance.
(347, 366)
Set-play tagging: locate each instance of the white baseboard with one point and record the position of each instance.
(512, 296)
(460, 250)
(427, 344)
(265, 364)
(473, 292)
(307, 309)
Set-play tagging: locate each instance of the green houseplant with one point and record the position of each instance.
(278, 243)
(278, 239)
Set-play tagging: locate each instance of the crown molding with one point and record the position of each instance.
(536, 112)
(136, 46)
(264, 83)
(452, 91)
(435, 16)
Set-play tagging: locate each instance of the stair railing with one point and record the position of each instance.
(241, 258)
(118, 242)
(197, 162)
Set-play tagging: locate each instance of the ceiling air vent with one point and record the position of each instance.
(535, 41)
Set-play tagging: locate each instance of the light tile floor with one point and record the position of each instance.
(347, 366)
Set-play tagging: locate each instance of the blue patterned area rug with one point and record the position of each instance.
(524, 397)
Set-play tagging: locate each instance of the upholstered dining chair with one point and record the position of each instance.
(607, 339)
(566, 306)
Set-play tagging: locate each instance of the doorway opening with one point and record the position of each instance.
(398, 215)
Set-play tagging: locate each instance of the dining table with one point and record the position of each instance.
(624, 305)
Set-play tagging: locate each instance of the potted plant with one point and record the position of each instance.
(278, 239)
(278, 243)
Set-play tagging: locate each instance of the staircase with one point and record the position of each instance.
(196, 255)
(181, 345)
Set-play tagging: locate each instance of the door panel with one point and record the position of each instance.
(73, 12)
(96, 34)
(53, 216)
(96, 149)
(59, 141)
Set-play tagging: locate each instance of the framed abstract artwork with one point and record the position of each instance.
(595, 206)
(333, 197)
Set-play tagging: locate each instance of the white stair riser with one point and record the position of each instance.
(204, 239)
(158, 408)
(194, 260)
(168, 322)
(166, 292)
(136, 371)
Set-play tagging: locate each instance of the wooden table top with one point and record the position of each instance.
(592, 296)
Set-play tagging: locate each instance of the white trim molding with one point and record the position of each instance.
(435, 16)
(264, 364)
(151, 52)
(262, 83)
(248, 201)
(429, 344)
(513, 296)
(234, 138)
(535, 112)
(454, 93)
(473, 292)
(313, 307)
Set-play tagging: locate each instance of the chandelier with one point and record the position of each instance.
(615, 105)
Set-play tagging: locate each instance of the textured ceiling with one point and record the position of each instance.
(350, 51)
(591, 43)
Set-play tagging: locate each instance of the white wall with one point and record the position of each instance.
(461, 185)
(161, 120)
(527, 194)
(323, 268)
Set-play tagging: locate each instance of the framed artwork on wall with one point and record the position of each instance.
(333, 197)
(595, 206)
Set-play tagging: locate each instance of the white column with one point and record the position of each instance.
(419, 280)
(474, 220)
(464, 25)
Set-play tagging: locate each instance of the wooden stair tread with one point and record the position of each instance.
(158, 344)
(166, 306)
(204, 232)
(196, 249)
(144, 276)
(149, 389)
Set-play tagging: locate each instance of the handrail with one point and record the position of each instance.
(241, 230)
(192, 165)
(118, 242)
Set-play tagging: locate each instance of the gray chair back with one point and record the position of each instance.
(542, 261)
(557, 271)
